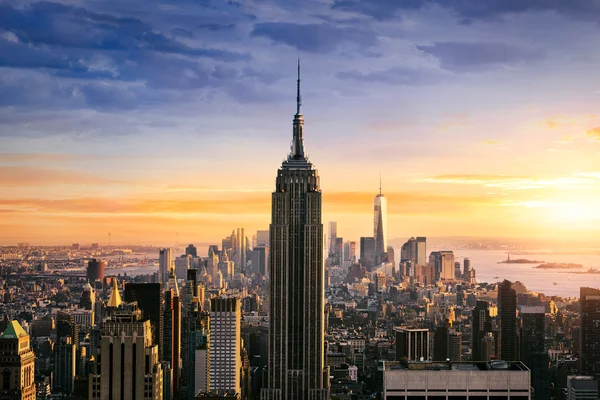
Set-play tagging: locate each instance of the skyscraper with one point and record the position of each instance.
(16, 364)
(150, 300)
(412, 343)
(225, 345)
(172, 331)
(296, 366)
(481, 326)
(128, 364)
(533, 352)
(507, 310)
(380, 223)
(367, 252)
(332, 237)
(165, 261)
(589, 355)
(421, 257)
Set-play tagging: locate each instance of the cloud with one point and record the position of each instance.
(313, 38)
(38, 157)
(396, 76)
(594, 133)
(467, 56)
(22, 176)
(56, 24)
(513, 182)
(470, 10)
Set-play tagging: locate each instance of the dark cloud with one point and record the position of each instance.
(313, 38)
(461, 57)
(468, 10)
(378, 9)
(216, 27)
(56, 24)
(396, 76)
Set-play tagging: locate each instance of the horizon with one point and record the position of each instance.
(182, 130)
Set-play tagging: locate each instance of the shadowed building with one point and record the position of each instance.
(296, 367)
(17, 362)
(507, 310)
(589, 356)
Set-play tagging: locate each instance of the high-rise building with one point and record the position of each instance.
(350, 251)
(391, 256)
(507, 311)
(262, 238)
(443, 264)
(533, 352)
(128, 367)
(582, 388)
(165, 264)
(367, 252)
(296, 367)
(466, 269)
(172, 332)
(95, 270)
(198, 353)
(150, 301)
(332, 237)
(225, 345)
(191, 250)
(17, 364)
(415, 380)
(408, 252)
(380, 223)
(455, 346)
(412, 344)
(589, 354)
(481, 325)
(421, 257)
(259, 260)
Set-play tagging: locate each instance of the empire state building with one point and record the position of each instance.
(296, 360)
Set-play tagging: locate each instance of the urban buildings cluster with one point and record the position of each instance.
(291, 313)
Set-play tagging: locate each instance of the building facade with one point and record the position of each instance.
(225, 345)
(17, 364)
(296, 367)
(449, 380)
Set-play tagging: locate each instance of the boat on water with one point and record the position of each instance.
(555, 283)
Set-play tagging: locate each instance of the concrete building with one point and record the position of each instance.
(17, 364)
(380, 224)
(165, 264)
(95, 270)
(412, 344)
(582, 388)
(225, 345)
(589, 358)
(507, 310)
(150, 300)
(449, 380)
(367, 252)
(129, 367)
(296, 367)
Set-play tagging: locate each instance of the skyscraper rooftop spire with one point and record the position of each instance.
(298, 138)
(298, 98)
(380, 184)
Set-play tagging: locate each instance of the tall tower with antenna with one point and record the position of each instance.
(380, 223)
(296, 351)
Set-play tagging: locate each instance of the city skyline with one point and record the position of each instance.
(146, 137)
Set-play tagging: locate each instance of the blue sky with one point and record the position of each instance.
(107, 101)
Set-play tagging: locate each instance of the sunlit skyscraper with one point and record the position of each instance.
(380, 224)
(296, 359)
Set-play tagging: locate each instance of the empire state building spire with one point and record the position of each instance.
(298, 138)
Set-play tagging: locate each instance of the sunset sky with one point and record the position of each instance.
(146, 119)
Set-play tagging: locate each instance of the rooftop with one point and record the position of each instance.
(456, 366)
(13, 331)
